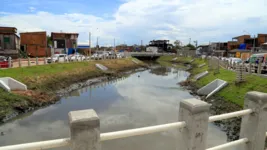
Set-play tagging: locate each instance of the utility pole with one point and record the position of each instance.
(189, 40)
(252, 50)
(97, 43)
(141, 45)
(114, 45)
(90, 44)
(195, 43)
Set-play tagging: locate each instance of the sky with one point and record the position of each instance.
(130, 21)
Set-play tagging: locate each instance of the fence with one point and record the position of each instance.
(192, 124)
(43, 61)
(258, 68)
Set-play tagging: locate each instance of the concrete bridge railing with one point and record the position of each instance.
(192, 124)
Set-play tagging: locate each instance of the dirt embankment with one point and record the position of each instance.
(45, 89)
(219, 104)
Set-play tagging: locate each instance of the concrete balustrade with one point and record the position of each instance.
(195, 113)
(192, 125)
(254, 126)
(84, 130)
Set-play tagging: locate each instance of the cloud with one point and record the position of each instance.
(198, 19)
(32, 9)
(135, 20)
(74, 22)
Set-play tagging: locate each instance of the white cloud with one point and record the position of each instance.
(32, 9)
(203, 20)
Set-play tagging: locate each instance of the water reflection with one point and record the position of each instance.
(142, 99)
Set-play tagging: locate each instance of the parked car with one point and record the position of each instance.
(4, 62)
(235, 60)
(77, 57)
(119, 55)
(94, 56)
(57, 58)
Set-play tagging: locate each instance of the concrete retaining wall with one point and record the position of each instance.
(10, 84)
(212, 88)
(101, 67)
(200, 75)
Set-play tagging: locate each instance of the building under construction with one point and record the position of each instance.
(163, 45)
(34, 44)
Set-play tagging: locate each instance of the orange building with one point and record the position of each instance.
(262, 38)
(34, 44)
(241, 39)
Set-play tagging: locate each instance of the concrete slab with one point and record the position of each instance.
(201, 65)
(174, 59)
(101, 67)
(135, 61)
(212, 88)
(200, 75)
(191, 60)
(10, 84)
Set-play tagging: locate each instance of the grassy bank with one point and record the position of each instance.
(44, 80)
(232, 92)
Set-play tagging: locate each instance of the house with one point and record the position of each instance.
(219, 48)
(64, 43)
(241, 39)
(9, 42)
(34, 44)
(204, 50)
(231, 45)
(161, 44)
(83, 48)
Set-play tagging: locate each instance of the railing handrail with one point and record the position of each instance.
(129, 133)
(229, 144)
(141, 131)
(230, 115)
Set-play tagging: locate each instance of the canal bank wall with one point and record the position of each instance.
(47, 83)
(220, 104)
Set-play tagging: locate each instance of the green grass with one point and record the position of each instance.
(8, 101)
(44, 80)
(33, 71)
(232, 92)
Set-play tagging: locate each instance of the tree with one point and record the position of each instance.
(190, 46)
(49, 40)
(177, 44)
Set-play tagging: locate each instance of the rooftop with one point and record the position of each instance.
(8, 30)
(240, 36)
(64, 33)
(39, 32)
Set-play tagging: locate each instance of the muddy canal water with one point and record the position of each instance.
(145, 98)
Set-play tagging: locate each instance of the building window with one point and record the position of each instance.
(6, 40)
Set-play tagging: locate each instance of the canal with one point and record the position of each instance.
(145, 98)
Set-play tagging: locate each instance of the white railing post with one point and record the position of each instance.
(254, 126)
(195, 113)
(29, 61)
(9, 62)
(84, 130)
(37, 63)
(19, 62)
